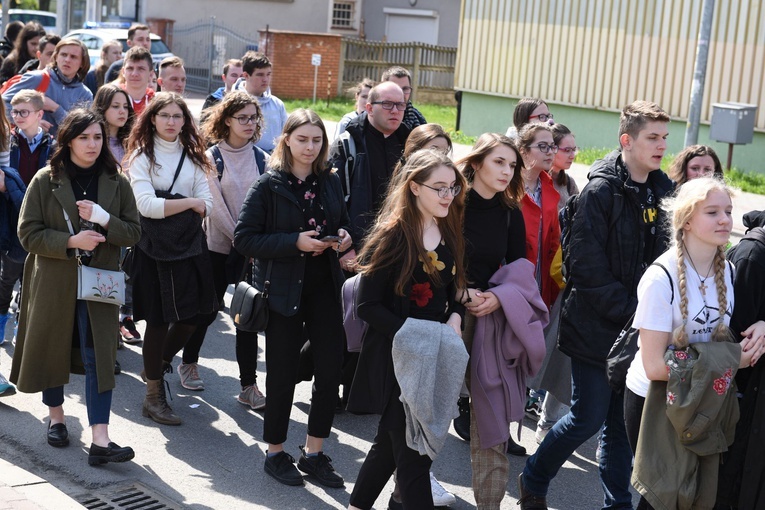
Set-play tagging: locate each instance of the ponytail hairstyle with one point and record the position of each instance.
(681, 209)
(396, 236)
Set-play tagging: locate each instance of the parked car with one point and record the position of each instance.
(46, 19)
(94, 39)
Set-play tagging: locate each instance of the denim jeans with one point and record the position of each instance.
(98, 404)
(593, 404)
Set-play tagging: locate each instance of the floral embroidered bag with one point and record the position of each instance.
(95, 284)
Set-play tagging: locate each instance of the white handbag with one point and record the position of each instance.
(94, 284)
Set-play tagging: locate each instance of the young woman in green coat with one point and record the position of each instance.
(83, 179)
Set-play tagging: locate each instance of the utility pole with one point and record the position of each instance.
(699, 73)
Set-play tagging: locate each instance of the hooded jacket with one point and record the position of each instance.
(607, 254)
(508, 347)
(66, 95)
(274, 116)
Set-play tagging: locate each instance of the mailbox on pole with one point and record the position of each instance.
(315, 62)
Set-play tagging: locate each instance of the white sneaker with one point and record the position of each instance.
(441, 497)
(189, 375)
(540, 434)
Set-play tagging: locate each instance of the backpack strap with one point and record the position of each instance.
(349, 151)
(260, 158)
(44, 83)
(671, 283)
(218, 159)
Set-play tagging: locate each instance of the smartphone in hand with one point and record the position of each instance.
(330, 239)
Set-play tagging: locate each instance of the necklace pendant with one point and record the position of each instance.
(703, 288)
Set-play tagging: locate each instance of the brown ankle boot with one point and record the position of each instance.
(155, 404)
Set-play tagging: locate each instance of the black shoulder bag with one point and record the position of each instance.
(625, 348)
(249, 306)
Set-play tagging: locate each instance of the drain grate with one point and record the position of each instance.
(132, 497)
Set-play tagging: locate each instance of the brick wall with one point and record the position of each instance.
(290, 53)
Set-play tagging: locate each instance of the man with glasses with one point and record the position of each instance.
(402, 78)
(379, 137)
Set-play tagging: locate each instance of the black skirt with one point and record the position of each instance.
(178, 291)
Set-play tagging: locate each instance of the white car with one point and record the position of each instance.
(94, 39)
(45, 18)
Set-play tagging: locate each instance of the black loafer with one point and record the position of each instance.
(58, 436)
(514, 448)
(112, 453)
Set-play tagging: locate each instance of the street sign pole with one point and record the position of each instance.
(315, 62)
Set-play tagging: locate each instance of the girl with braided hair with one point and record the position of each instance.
(686, 295)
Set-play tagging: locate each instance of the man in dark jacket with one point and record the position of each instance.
(617, 231)
(231, 72)
(378, 137)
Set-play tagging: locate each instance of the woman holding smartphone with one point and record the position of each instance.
(294, 222)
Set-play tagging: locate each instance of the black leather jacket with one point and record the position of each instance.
(267, 236)
(607, 253)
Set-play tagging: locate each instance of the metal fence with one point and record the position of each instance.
(205, 46)
(432, 67)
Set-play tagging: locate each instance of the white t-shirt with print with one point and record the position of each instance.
(654, 296)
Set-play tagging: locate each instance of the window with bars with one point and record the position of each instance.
(342, 14)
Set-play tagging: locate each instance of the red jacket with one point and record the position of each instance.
(548, 216)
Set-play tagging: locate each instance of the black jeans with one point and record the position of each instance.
(633, 411)
(321, 314)
(246, 342)
(389, 452)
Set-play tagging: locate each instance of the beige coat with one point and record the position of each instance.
(45, 350)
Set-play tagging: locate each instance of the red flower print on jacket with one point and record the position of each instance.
(722, 384)
(421, 293)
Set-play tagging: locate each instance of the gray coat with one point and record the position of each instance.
(429, 360)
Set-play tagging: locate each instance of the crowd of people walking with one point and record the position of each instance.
(492, 288)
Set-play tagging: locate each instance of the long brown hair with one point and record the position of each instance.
(419, 138)
(396, 236)
(486, 143)
(281, 158)
(103, 102)
(141, 139)
(214, 127)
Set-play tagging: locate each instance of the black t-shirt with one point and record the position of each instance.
(650, 212)
(428, 300)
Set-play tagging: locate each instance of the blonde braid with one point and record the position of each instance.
(720, 333)
(679, 335)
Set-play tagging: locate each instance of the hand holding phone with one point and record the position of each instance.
(330, 239)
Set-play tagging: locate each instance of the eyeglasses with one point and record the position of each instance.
(246, 119)
(166, 117)
(22, 113)
(545, 148)
(406, 89)
(444, 192)
(543, 117)
(569, 150)
(389, 105)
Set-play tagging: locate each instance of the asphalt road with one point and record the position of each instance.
(214, 460)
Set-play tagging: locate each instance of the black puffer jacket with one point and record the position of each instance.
(261, 235)
(607, 258)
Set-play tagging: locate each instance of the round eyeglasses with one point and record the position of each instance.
(444, 192)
